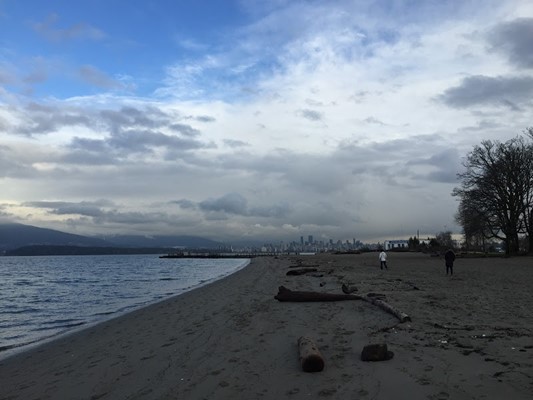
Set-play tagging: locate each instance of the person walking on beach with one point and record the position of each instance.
(383, 259)
(449, 258)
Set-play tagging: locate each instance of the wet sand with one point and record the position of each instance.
(471, 337)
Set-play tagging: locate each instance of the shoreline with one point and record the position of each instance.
(231, 339)
(93, 320)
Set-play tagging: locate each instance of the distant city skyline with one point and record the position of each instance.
(245, 120)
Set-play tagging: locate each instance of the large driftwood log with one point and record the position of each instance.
(310, 357)
(403, 317)
(285, 294)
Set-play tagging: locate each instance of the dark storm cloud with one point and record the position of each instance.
(41, 119)
(148, 117)
(510, 92)
(445, 166)
(143, 141)
(38, 119)
(12, 167)
(231, 203)
(514, 39)
(185, 204)
(130, 130)
(184, 129)
(235, 204)
(85, 208)
(100, 211)
(275, 211)
(120, 145)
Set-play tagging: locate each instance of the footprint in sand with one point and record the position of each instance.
(440, 396)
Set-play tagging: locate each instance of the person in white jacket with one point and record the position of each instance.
(383, 259)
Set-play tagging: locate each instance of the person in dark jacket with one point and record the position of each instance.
(449, 258)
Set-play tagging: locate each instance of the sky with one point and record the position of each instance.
(254, 120)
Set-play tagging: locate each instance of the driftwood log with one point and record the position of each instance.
(310, 357)
(285, 294)
(300, 271)
(403, 317)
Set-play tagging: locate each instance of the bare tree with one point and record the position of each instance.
(528, 189)
(496, 196)
(475, 229)
(445, 240)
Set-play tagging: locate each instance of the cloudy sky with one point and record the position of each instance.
(254, 119)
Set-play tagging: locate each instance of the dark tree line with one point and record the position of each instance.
(496, 193)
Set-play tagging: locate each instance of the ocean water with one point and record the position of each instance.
(43, 297)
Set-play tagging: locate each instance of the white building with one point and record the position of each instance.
(395, 244)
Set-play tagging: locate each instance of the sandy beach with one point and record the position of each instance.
(471, 337)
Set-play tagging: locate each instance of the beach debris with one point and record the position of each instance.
(376, 352)
(310, 357)
(300, 271)
(348, 289)
(285, 294)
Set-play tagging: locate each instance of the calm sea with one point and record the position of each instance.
(42, 297)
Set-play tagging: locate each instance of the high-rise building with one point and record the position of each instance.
(310, 239)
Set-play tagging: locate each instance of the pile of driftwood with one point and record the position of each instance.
(311, 359)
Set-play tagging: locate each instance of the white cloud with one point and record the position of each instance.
(341, 120)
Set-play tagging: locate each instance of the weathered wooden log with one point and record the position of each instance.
(403, 317)
(285, 294)
(300, 271)
(310, 357)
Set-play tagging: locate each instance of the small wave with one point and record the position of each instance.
(61, 321)
(63, 326)
(22, 311)
(23, 283)
(101, 314)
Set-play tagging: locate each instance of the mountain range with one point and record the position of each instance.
(13, 235)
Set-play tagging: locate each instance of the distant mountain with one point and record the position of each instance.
(13, 236)
(163, 241)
